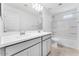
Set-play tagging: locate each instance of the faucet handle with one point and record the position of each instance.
(22, 33)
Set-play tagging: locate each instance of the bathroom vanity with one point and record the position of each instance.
(28, 44)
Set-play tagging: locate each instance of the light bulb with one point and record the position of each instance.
(37, 7)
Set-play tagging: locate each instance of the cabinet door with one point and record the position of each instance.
(45, 48)
(18, 47)
(36, 50)
(24, 53)
(33, 51)
(48, 45)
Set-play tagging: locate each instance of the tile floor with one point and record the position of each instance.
(63, 51)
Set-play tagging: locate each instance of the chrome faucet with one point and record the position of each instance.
(22, 33)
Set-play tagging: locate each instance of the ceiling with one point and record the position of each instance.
(57, 8)
(52, 7)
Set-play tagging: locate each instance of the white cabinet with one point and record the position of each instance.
(24, 53)
(33, 47)
(36, 50)
(45, 48)
(33, 51)
(46, 44)
(12, 50)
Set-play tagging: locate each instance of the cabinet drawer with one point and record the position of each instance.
(33, 51)
(24, 53)
(18, 47)
(46, 37)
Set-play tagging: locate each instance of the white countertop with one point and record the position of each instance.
(10, 38)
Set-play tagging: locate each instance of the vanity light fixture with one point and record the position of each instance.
(37, 7)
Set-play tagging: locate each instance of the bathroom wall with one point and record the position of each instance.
(77, 17)
(47, 20)
(18, 20)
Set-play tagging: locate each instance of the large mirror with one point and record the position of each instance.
(20, 17)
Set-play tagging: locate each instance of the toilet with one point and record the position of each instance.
(55, 42)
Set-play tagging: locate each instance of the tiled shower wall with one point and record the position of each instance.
(65, 26)
(66, 29)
